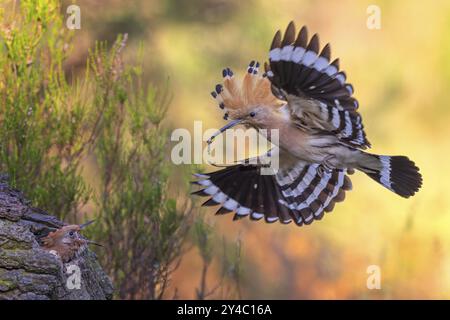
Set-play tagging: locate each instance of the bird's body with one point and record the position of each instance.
(299, 143)
(320, 137)
(315, 147)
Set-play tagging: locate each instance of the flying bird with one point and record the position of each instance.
(304, 95)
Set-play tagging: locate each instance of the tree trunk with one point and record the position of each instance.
(29, 272)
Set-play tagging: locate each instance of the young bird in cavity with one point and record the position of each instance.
(67, 242)
(304, 95)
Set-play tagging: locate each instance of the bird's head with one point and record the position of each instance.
(248, 101)
(68, 234)
(67, 240)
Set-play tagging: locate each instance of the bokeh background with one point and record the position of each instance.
(401, 76)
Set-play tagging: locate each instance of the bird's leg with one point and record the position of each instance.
(326, 166)
(322, 169)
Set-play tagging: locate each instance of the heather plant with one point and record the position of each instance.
(43, 119)
(228, 285)
(49, 126)
(140, 225)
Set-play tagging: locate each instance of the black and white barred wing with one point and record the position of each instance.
(316, 91)
(301, 193)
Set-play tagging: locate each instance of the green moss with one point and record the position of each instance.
(14, 245)
(6, 284)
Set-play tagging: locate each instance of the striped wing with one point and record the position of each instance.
(300, 193)
(311, 192)
(316, 91)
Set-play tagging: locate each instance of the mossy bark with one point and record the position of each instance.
(29, 272)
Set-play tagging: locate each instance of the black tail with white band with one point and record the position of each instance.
(397, 173)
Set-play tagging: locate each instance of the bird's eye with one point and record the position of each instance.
(71, 233)
(252, 114)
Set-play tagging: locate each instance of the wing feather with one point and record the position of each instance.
(315, 89)
(298, 192)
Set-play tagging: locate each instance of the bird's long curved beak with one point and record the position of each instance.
(229, 125)
(95, 243)
(82, 226)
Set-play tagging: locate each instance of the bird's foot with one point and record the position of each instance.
(324, 169)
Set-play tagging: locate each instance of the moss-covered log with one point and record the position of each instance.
(29, 272)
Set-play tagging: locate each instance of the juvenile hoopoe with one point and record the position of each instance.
(67, 242)
(321, 137)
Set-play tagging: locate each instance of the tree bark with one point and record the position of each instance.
(29, 272)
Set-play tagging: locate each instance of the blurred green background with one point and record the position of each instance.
(401, 76)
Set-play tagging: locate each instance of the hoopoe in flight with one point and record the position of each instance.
(67, 242)
(321, 137)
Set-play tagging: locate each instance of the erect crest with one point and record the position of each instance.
(237, 96)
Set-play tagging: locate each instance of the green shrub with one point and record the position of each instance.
(48, 126)
(43, 118)
(141, 226)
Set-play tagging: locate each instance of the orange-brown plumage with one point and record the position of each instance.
(66, 242)
(238, 96)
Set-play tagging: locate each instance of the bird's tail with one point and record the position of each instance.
(397, 173)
